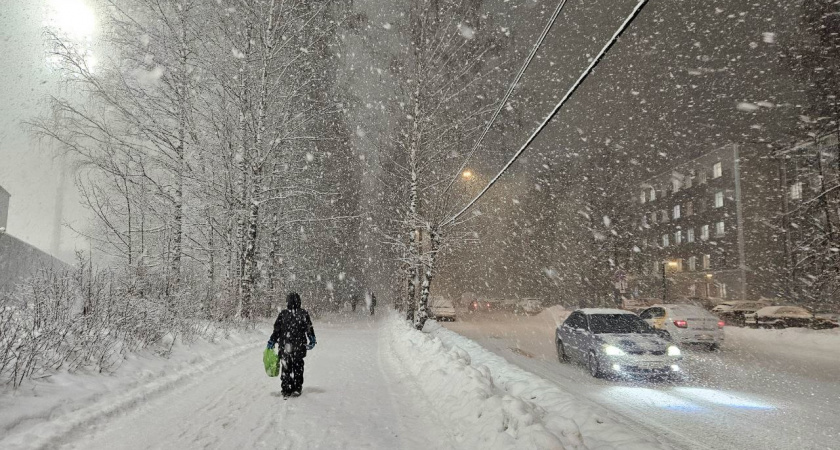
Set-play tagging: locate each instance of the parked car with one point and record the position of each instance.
(637, 304)
(686, 324)
(479, 305)
(736, 315)
(726, 306)
(441, 309)
(824, 321)
(528, 306)
(614, 342)
(780, 317)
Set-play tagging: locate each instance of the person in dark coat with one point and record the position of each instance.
(372, 302)
(292, 329)
(354, 300)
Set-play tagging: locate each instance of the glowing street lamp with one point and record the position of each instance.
(467, 174)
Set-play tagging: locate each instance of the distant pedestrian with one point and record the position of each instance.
(292, 329)
(354, 300)
(372, 302)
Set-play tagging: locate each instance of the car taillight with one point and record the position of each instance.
(488, 305)
(720, 324)
(681, 323)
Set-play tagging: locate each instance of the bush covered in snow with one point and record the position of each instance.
(90, 319)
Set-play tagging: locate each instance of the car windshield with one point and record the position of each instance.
(618, 324)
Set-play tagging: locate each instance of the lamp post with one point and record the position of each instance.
(666, 263)
(708, 286)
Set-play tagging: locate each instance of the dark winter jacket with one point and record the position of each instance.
(292, 328)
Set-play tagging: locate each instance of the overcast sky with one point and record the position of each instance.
(43, 193)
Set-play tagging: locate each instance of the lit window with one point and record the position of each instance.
(692, 263)
(719, 230)
(796, 191)
(677, 212)
(664, 215)
(717, 170)
(689, 209)
(718, 199)
(653, 217)
(707, 262)
(665, 240)
(701, 177)
(677, 237)
(704, 232)
(676, 184)
(690, 235)
(652, 194)
(689, 181)
(642, 198)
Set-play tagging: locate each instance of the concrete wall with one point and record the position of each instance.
(19, 260)
(4, 207)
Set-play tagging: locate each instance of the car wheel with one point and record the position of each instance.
(594, 368)
(561, 352)
(714, 347)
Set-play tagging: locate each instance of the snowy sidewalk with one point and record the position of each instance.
(350, 400)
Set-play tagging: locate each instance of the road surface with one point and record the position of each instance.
(749, 395)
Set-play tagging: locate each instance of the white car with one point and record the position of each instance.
(614, 342)
(528, 306)
(686, 324)
(441, 309)
(780, 317)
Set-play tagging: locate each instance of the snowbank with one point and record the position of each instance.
(464, 395)
(790, 340)
(555, 314)
(37, 414)
(496, 405)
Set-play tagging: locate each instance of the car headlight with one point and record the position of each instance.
(673, 350)
(612, 350)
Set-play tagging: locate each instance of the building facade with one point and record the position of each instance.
(4, 208)
(707, 228)
(810, 177)
(18, 259)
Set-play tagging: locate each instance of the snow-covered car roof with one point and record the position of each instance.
(789, 311)
(590, 311)
(682, 308)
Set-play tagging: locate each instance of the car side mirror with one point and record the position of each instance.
(664, 334)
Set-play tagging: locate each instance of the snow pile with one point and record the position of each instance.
(791, 340)
(497, 405)
(39, 413)
(556, 314)
(463, 395)
(573, 421)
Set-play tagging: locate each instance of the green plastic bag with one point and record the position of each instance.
(270, 361)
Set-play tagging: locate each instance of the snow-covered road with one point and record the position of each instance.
(353, 397)
(756, 393)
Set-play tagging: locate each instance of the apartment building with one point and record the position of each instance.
(707, 228)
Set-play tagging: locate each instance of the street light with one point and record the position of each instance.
(467, 174)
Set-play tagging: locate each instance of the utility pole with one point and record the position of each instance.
(664, 284)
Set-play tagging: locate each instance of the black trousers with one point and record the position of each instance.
(291, 377)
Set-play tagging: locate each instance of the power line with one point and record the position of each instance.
(509, 91)
(556, 109)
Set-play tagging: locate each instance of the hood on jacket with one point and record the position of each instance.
(293, 301)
